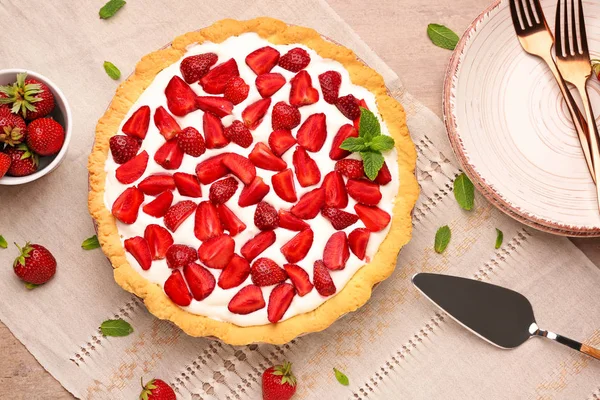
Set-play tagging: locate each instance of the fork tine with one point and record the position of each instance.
(574, 32)
(558, 44)
(568, 33)
(584, 42)
(537, 11)
(515, 16)
(523, 16)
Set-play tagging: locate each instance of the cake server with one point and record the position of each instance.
(498, 315)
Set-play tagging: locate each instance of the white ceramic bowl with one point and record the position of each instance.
(61, 113)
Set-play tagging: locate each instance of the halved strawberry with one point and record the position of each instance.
(236, 90)
(213, 131)
(302, 93)
(229, 220)
(266, 272)
(310, 204)
(284, 186)
(215, 80)
(343, 133)
(165, 123)
(222, 190)
(299, 278)
(262, 60)
(133, 169)
(138, 247)
(364, 191)
(177, 290)
(279, 301)
(358, 240)
(259, 243)
(330, 85)
(284, 116)
(269, 84)
(335, 190)
(336, 251)
(239, 134)
(137, 125)
(127, 205)
(181, 99)
(374, 218)
(156, 184)
(207, 223)
(287, 220)
(240, 166)
(218, 106)
(180, 255)
(159, 240)
(195, 67)
(200, 280)
(322, 279)
(255, 112)
(191, 142)
(280, 141)
(169, 155)
(253, 193)
(178, 213)
(247, 300)
(384, 176)
(363, 104)
(313, 132)
(306, 168)
(160, 205)
(187, 184)
(211, 169)
(352, 169)
(295, 59)
(348, 105)
(235, 273)
(123, 148)
(340, 219)
(263, 157)
(298, 247)
(266, 217)
(217, 252)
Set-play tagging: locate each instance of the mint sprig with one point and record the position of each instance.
(369, 143)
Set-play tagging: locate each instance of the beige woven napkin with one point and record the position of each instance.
(397, 346)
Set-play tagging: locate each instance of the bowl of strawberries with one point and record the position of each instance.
(35, 126)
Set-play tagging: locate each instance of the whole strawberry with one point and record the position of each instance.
(45, 136)
(35, 264)
(278, 382)
(12, 127)
(157, 389)
(5, 162)
(23, 161)
(29, 97)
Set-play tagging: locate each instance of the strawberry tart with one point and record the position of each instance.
(252, 182)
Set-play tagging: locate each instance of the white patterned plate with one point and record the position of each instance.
(511, 130)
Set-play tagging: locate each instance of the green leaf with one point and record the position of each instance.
(499, 238)
(369, 126)
(442, 36)
(116, 327)
(3, 243)
(442, 238)
(111, 8)
(353, 144)
(112, 70)
(372, 163)
(341, 378)
(381, 143)
(464, 192)
(30, 285)
(90, 243)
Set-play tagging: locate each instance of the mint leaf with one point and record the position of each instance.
(111, 8)
(116, 327)
(3, 243)
(442, 238)
(112, 70)
(341, 377)
(464, 192)
(499, 238)
(90, 243)
(372, 163)
(381, 143)
(354, 144)
(442, 36)
(369, 126)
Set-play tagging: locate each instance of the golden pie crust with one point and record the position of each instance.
(358, 290)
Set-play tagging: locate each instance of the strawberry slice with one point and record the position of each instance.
(239, 134)
(336, 251)
(306, 168)
(236, 272)
(374, 218)
(284, 116)
(313, 132)
(343, 133)
(123, 148)
(221, 191)
(295, 59)
(358, 240)
(330, 85)
(247, 300)
(137, 125)
(384, 176)
(363, 104)
(160, 205)
(165, 123)
(255, 112)
(211, 169)
(279, 301)
(266, 217)
(181, 99)
(187, 184)
(322, 279)
(253, 193)
(229, 220)
(159, 240)
(299, 278)
(177, 290)
(240, 166)
(302, 93)
(339, 219)
(218, 106)
(200, 280)
(207, 223)
(284, 186)
(352, 169)
(262, 157)
(195, 67)
(310, 204)
(127, 205)
(259, 243)
(236, 90)
(217, 252)
(133, 169)
(364, 191)
(298, 247)
(156, 184)
(138, 247)
(335, 190)
(269, 84)
(213, 131)
(169, 155)
(215, 80)
(280, 141)
(289, 221)
(262, 60)
(349, 106)
(180, 255)
(191, 142)
(266, 272)
(178, 213)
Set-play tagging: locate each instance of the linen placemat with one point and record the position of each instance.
(396, 346)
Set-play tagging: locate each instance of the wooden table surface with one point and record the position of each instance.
(419, 63)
